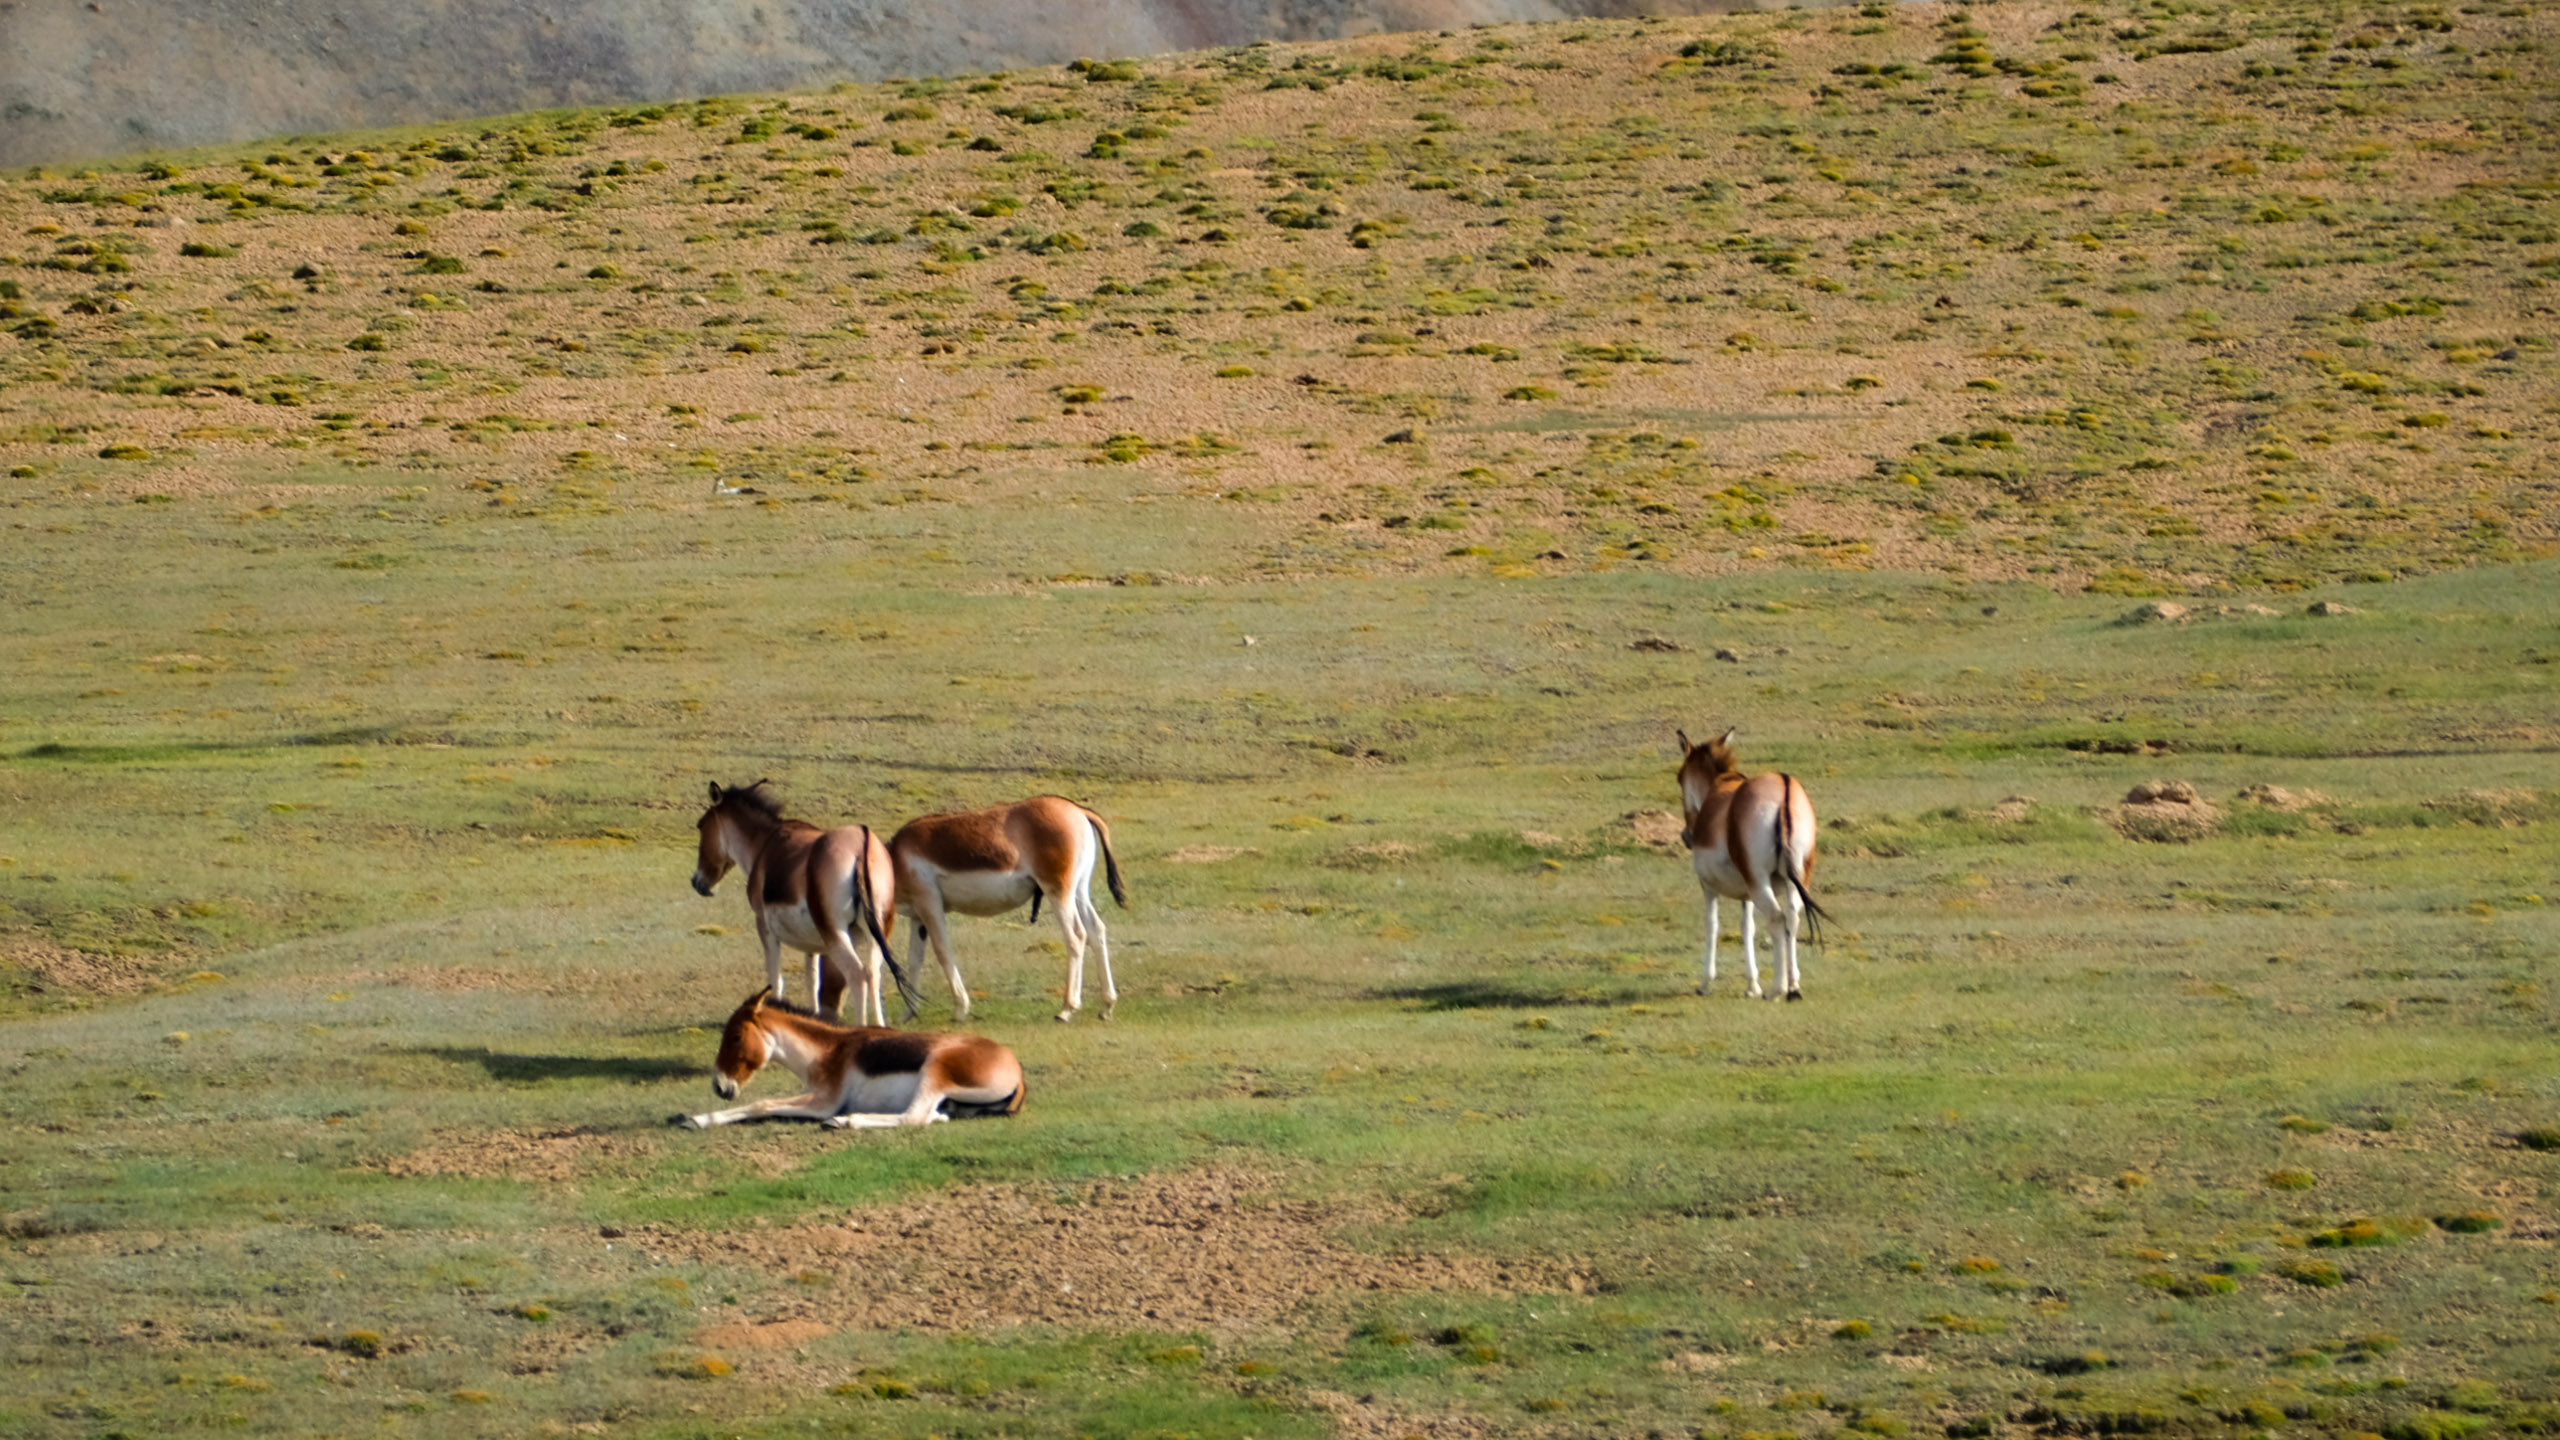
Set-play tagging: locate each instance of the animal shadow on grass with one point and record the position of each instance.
(1497, 995)
(535, 1069)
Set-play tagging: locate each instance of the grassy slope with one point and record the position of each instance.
(2156, 299)
(412, 771)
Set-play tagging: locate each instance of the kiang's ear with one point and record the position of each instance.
(761, 996)
(716, 793)
(1729, 734)
(1683, 737)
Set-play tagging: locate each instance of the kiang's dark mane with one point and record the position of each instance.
(754, 800)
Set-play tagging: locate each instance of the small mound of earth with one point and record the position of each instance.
(2011, 810)
(1207, 854)
(1541, 840)
(2276, 797)
(2166, 812)
(550, 1157)
(1202, 1249)
(79, 972)
(1656, 829)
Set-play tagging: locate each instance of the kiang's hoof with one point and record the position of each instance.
(1795, 995)
(1065, 1015)
(683, 1122)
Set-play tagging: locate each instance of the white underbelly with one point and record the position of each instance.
(884, 1094)
(985, 894)
(1719, 874)
(792, 925)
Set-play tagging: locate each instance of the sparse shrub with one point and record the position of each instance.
(2355, 1234)
(2319, 1274)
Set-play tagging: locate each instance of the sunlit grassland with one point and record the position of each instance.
(428, 824)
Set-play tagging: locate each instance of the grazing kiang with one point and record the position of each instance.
(986, 862)
(1750, 839)
(824, 893)
(858, 1076)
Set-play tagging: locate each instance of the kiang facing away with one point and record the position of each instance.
(1750, 839)
(825, 893)
(986, 862)
(858, 1077)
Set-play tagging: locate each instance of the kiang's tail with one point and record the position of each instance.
(985, 1109)
(870, 908)
(1791, 865)
(1110, 865)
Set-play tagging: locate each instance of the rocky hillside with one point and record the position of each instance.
(82, 79)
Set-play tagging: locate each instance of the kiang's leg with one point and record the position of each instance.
(1707, 978)
(1750, 949)
(789, 1107)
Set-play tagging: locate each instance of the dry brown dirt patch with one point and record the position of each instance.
(538, 1156)
(1211, 1249)
(83, 972)
(771, 1335)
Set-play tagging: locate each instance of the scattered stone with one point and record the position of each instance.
(2331, 607)
(1728, 655)
(1658, 645)
(2156, 612)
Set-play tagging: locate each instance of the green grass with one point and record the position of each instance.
(444, 897)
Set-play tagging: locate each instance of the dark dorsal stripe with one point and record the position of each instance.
(895, 1053)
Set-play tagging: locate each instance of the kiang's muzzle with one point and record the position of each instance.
(701, 884)
(724, 1087)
